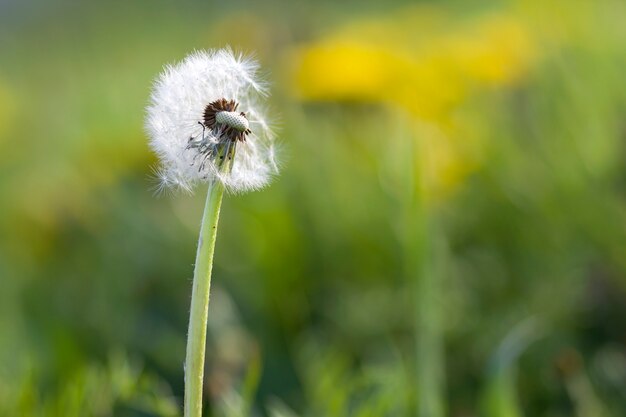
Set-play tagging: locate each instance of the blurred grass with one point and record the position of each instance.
(518, 109)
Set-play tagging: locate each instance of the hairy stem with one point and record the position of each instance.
(196, 338)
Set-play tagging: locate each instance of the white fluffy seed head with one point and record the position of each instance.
(188, 146)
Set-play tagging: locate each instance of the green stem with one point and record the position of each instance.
(422, 269)
(196, 338)
(424, 280)
(429, 343)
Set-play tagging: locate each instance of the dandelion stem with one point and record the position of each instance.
(196, 338)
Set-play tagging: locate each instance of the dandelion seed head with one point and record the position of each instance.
(206, 122)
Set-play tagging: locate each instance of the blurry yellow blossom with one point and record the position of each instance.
(420, 67)
(496, 51)
(347, 69)
(426, 62)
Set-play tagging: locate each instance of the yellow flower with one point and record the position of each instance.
(423, 61)
(404, 61)
(346, 69)
(498, 50)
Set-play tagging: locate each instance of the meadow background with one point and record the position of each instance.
(447, 236)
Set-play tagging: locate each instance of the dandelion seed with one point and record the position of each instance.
(206, 122)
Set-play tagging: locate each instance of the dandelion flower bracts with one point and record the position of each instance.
(206, 123)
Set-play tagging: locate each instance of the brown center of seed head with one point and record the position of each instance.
(226, 132)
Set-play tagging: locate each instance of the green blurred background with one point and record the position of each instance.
(447, 235)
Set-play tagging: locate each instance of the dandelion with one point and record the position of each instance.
(207, 125)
